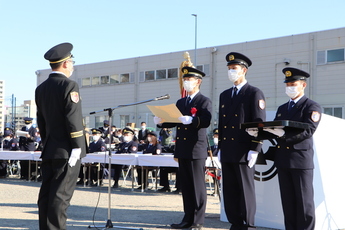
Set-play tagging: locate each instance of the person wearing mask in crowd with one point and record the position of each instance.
(142, 133)
(151, 147)
(60, 120)
(294, 152)
(127, 146)
(96, 145)
(191, 148)
(27, 143)
(8, 134)
(105, 131)
(5, 146)
(238, 150)
(214, 147)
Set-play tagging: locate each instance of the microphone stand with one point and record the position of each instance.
(109, 224)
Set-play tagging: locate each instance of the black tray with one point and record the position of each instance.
(275, 124)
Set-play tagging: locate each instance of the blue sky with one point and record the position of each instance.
(106, 30)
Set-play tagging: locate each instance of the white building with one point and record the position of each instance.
(118, 82)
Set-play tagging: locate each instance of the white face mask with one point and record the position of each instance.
(292, 91)
(189, 85)
(28, 126)
(233, 75)
(143, 127)
(215, 140)
(127, 138)
(95, 138)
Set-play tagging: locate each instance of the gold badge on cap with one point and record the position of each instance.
(262, 104)
(315, 116)
(288, 73)
(75, 96)
(185, 71)
(231, 57)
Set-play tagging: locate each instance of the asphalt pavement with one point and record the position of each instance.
(90, 207)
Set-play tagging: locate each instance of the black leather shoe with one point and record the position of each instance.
(177, 191)
(181, 225)
(164, 189)
(196, 227)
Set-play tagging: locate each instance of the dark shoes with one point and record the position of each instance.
(186, 225)
(164, 189)
(181, 225)
(80, 182)
(177, 191)
(116, 185)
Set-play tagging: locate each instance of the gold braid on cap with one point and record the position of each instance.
(64, 59)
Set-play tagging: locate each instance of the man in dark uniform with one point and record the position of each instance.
(143, 133)
(238, 150)
(127, 146)
(60, 121)
(96, 145)
(191, 148)
(27, 143)
(105, 131)
(294, 153)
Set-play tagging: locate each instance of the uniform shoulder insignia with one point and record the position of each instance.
(75, 96)
(103, 148)
(315, 116)
(262, 104)
(134, 148)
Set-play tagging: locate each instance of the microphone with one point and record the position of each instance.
(166, 96)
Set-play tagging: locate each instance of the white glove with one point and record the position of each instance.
(252, 156)
(157, 120)
(186, 120)
(252, 131)
(75, 155)
(276, 131)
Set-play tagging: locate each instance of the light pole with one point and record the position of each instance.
(196, 29)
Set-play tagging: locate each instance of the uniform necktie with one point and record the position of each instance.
(188, 101)
(291, 104)
(234, 92)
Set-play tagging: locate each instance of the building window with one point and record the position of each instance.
(149, 75)
(330, 56)
(95, 80)
(172, 73)
(124, 77)
(124, 119)
(334, 111)
(104, 80)
(161, 74)
(86, 82)
(114, 79)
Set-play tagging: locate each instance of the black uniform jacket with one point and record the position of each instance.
(295, 149)
(248, 106)
(28, 144)
(191, 140)
(152, 149)
(59, 117)
(128, 147)
(98, 146)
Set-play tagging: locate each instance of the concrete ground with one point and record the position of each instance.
(89, 207)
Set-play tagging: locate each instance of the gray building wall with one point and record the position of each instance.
(269, 57)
